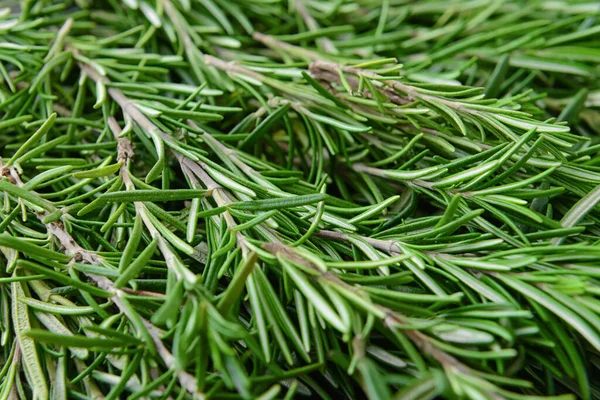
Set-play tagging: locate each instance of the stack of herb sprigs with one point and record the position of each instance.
(321, 198)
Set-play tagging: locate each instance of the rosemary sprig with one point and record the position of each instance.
(218, 199)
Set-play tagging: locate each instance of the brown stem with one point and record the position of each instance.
(330, 70)
(360, 167)
(144, 293)
(389, 246)
(270, 41)
(232, 67)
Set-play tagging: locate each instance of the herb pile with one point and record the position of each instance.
(279, 199)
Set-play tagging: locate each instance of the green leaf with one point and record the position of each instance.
(33, 139)
(278, 204)
(63, 279)
(322, 91)
(454, 334)
(85, 342)
(578, 211)
(574, 107)
(321, 305)
(98, 172)
(132, 244)
(561, 311)
(373, 380)
(493, 85)
(153, 196)
(237, 284)
(59, 309)
(26, 195)
(29, 354)
(337, 123)
(31, 250)
(132, 270)
(263, 128)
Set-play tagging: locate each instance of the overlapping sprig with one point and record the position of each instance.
(255, 199)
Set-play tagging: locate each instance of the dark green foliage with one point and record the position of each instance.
(279, 199)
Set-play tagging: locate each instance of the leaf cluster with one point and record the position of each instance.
(328, 199)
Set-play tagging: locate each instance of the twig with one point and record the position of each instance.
(78, 253)
(329, 71)
(73, 249)
(270, 41)
(190, 167)
(391, 318)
